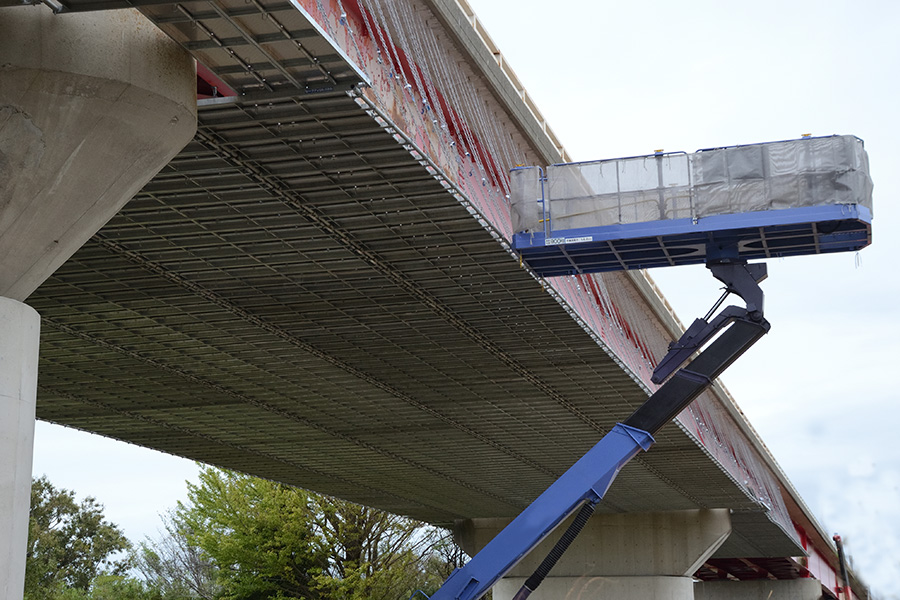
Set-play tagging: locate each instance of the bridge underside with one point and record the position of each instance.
(298, 296)
(325, 313)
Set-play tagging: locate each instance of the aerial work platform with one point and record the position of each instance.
(804, 196)
(720, 206)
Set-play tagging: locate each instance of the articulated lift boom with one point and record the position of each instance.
(585, 483)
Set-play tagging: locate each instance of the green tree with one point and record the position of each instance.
(378, 555)
(269, 540)
(175, 568)
(372, 554)
(118, 587)
(259, 534)
(69, 543)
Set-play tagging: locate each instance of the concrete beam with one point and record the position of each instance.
(601, 588)
(633, 555)
(795, 589)
(665, 543)
(512, 98)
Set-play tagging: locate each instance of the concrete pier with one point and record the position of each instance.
(19, 332)
(640, 556)
(91, 107)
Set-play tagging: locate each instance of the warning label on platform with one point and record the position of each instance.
(573, 240)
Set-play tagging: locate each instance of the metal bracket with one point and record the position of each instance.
(740, 279)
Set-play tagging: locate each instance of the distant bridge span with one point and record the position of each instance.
(318, 290)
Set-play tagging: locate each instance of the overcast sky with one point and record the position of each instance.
(626, 78)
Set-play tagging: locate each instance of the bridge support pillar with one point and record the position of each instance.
(19, 332)
(638, 556)
(91, 107)
(795, 589)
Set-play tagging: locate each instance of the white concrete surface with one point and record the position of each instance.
(91, 107)
(600, 587)
(796, 589)
(631, 556)
(19, 336)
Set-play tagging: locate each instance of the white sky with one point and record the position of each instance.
(626, 78)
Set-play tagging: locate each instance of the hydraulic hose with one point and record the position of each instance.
(556, 553)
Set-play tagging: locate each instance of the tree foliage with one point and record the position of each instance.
(235, 538)
(266, 540)
(174, 567)
(258, 534)
(70, 544)
(373, 554)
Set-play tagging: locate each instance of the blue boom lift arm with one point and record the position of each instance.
(581, 487)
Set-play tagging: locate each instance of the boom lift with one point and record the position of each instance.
(725, 250)
(585, 483)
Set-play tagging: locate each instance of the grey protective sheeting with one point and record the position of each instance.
(738, 179)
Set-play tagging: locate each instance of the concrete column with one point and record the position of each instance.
(795, 589)
(91, 107)
(19, 332)
(641, 556)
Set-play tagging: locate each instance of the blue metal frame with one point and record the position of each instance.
(586, 481)
(665, 243)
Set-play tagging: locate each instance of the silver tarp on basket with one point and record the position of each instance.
(739, 179)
